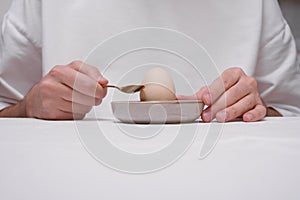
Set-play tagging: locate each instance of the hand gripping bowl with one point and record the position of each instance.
(157, 112)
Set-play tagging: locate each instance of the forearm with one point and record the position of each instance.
(17, 110)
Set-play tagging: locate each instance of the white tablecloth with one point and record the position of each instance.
(46, 160)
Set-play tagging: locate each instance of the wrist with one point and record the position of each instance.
(17, 110)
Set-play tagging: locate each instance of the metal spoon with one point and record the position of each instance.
(127, 88)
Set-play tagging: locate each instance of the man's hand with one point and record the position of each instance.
(232, 95)
(66, 92)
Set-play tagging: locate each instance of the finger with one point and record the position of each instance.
(103, 81)
(256, 114)
(89, 87)
(197, 96)
(65, 92)
(206, 115)
(227, 79)
(232, 95)
(77, 97)
(78, 81)
(88, 70)
(71, 107)
(236, 110)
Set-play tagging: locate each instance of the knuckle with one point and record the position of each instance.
(237, 71)
(231, 75)
(252, 81)
(233, 112)
(55, 71)
(76, 63)
(225, 78)
(234, 71)
(226, 72)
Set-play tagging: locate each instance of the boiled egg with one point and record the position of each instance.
(159, 86)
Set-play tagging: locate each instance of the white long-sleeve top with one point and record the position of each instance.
(39, 34)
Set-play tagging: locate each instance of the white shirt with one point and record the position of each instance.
(37, 35)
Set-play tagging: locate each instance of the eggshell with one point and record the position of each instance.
(159, 86)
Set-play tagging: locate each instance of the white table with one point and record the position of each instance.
(46, 160)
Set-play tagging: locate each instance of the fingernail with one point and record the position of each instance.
(221, 116)
(248, 117)
(207, 116)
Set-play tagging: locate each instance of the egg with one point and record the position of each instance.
(159, 86)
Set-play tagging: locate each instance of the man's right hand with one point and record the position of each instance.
(66, 92)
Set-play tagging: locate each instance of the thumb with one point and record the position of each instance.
(102, 80)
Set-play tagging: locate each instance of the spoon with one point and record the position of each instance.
(127, 88)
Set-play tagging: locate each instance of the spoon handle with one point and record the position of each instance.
(111, 86)
(127, 89)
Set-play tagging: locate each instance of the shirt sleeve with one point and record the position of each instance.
(20, 51)
(277, 70)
